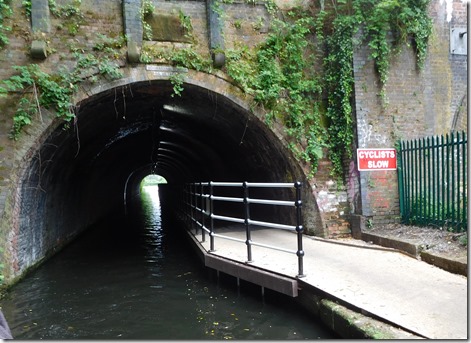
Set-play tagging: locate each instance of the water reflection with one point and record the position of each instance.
(135, 278)
(152, 219)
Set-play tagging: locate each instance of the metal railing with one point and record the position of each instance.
(433, 181)
(199, 201)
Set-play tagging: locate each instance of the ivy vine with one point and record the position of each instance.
(313, 104)
(385, 26)
(279, 76)
(147, 9)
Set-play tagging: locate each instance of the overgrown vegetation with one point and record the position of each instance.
(316, 105)
(313, 104)
(39, 89)
(147, 9)
(280, 76)
(301, 75)
(5, 12)
(385, 26)
(70, 14)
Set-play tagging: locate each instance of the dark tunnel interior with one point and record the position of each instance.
(86, 169)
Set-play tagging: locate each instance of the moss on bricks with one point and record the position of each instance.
(350, 324)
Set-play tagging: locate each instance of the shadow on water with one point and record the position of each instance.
(134, 277)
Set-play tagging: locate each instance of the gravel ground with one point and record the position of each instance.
(434, 240)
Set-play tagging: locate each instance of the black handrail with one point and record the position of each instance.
(199, 205)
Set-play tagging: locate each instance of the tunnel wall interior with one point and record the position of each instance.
(84, 172)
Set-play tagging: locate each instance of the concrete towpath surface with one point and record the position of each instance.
(411, 294)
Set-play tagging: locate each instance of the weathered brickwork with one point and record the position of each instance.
(332, 201)
(415, 103)
(40, 17)
(245, 27)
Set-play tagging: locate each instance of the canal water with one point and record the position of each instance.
(134, 278)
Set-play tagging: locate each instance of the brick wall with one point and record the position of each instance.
(416, 104)
(419, 103)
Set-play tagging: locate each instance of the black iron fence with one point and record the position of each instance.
(201, 212)
(433, 181)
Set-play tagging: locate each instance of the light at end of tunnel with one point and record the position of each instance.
(150, 186)
(153, 180)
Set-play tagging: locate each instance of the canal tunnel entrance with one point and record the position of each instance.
(85, 170)
(132, 277)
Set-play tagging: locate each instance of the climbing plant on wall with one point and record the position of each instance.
(301, 75)
(280, 76)
(5, 12)
(385, 26)
(55, 90)
(280, 73)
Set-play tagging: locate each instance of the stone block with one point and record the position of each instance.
(167, 28)
(134, 52)
(357, 225)
(38, 49)
(219, 59)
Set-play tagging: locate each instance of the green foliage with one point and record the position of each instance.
(237, 23)
(384, 25)
(71, 15)
(27, 6)
(423, 211)
(5, 12)
(314, 106)
(241, 66)
(109, 46)
(390, 23)
(338, 69)
(39, 89)
(279, 76)
(185, 21)
(188, 58)
(279, 73)
(147, 9)
(177, 82)
(185, 58)
(89, 65)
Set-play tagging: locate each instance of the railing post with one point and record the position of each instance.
(203, 232)
(211, 209)
(400, 179)
(299, 229)
(458, 182)
(453, 201)
(464, 183)
(190, 207)
(192, 216)
(248, 241)
(186, 206)
(195, 206)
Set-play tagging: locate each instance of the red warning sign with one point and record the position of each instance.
(377, 159)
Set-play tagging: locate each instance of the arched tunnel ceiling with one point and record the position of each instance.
(123, 134)
(87, 172)
(199, 135)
